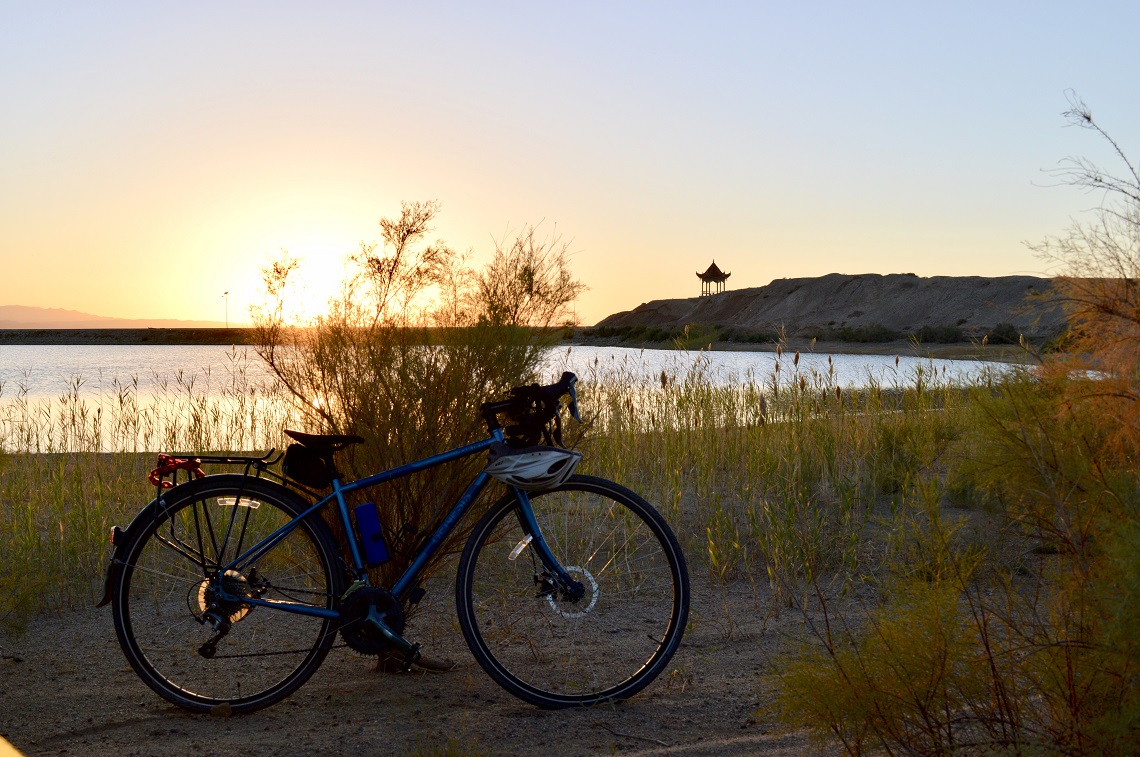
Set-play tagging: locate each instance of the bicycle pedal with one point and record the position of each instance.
(411, 657)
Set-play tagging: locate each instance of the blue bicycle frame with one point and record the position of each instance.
(408, 580)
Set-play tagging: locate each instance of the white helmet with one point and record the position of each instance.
(532, 467)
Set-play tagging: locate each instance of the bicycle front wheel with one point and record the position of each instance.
(166, 600)
(556, 652)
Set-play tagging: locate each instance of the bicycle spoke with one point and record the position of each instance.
(554, 650)
(171, 576)
(176, 594)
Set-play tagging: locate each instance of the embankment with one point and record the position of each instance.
(848, 307)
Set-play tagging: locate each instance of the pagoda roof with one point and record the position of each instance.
(713, 274)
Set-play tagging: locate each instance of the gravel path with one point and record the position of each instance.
(66, 688)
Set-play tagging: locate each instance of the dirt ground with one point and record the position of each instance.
(65, 688)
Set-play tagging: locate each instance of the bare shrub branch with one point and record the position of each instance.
(528, 282)
(407, 351)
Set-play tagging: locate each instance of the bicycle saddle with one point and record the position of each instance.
(324, 441)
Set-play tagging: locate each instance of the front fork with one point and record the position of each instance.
(555, 576)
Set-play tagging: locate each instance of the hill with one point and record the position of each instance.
(899, 302)
(25, 317)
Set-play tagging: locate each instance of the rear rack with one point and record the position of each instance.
(165, 473)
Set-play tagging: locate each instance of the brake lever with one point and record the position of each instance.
(573, 407)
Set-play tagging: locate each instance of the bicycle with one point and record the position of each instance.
(229, 589)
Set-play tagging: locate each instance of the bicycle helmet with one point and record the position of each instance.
(537, 467)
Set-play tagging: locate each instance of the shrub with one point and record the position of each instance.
(695, 336)
(866, 334)
(1004, 333)
(748, 336)
(1028, 646)
(408, 350)
(892, 685)
(944, 334)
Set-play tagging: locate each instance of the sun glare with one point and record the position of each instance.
(318, 276)
(320, 255)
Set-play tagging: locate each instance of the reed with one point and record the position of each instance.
(1011, 628)
(74, 465)
(775, 476)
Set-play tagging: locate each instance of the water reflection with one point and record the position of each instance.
(847, 371)
(40, 371)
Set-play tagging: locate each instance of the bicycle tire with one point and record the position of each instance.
(161, 594)
(557, 653)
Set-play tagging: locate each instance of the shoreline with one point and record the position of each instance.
(179, 336)
(998, 353)
(1005, 353)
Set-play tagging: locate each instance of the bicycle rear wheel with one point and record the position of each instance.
(555, 652)
(167, 587)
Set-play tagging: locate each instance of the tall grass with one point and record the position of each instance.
(1024, 641)
(773, 476)
(74, 465)
(231, 408)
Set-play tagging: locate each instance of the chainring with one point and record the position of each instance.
(362, 636)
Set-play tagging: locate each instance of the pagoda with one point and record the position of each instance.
(712, 279)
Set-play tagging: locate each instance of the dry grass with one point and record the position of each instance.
(770, 478)
(774, 477)
(74, 465)
(991, 625)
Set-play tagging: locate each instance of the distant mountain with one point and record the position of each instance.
(901, 302)
(25, 317)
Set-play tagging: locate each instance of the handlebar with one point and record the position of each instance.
(565, 386)
(551, 393)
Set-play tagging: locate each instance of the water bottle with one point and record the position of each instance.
(371, 534)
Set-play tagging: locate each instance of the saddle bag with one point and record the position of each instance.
(306, 467)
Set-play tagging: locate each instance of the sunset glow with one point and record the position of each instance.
(153, 157)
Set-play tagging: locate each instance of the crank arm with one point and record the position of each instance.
(410, 651)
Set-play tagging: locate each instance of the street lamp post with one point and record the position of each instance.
(226, 295)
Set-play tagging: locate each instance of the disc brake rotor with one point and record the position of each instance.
(574, 609)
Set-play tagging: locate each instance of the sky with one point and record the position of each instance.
(155, 155)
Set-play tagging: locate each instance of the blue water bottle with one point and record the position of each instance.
(371, 534)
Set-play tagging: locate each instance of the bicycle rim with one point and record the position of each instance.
(609, 644)
(165, 593)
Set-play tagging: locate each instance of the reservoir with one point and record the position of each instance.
(50, 371)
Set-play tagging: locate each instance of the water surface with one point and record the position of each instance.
(848, 371)
(45, 371)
